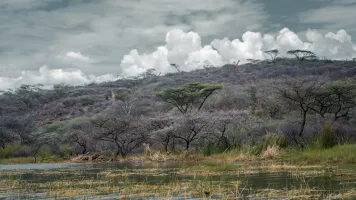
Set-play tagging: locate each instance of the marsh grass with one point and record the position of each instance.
(199, 186)
(199, 180)
(342, 154)
(28, 160)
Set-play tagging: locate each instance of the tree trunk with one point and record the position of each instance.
(187, 145)
(302, 126)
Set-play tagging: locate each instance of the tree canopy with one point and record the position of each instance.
(273, 53)
(188, 95)
(301, 55)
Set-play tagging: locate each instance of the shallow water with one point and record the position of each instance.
(39, 166)
(150, 181)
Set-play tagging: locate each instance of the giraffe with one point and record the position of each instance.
(236, 64)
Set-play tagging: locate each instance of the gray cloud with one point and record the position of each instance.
(39, 32)
(86, 40)
(332, 16)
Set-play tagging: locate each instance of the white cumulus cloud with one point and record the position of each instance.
(49, 77)
(186, 49)
(77, 56)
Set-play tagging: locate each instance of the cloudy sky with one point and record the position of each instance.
(81, 41)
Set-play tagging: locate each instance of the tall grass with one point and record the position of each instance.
(340, 154)
(327, 137)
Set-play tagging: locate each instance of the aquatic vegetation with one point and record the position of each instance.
(226, 180)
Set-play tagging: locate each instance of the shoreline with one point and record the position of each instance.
(342, 154)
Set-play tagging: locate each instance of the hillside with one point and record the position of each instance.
(86, 118)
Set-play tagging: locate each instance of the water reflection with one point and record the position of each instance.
(120, 174)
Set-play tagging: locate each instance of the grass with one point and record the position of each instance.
(342, 154)
(200, 186)
(28, 160)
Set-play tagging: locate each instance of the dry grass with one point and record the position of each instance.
(271, 152)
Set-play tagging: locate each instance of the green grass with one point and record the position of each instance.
(343, 154)
(224, 167)
(27, 160)
(19, 160)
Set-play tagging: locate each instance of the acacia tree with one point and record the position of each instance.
(128, 99)
(162, 130)
(176, 67)
(302, 55)
(273, 53)
(188, 95)
(81, 135)
(126, 133)
(301, 93)
(337, 98)
(189, 128)
(219, 127)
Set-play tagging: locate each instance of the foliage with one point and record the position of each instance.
(273, 53)
(8, 150)
(188, 95)
(65, 151)
(301, 55)
(257, 99)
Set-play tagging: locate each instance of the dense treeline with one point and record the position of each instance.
(283, 102)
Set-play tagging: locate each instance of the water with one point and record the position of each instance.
(181, 180)
(40, 166)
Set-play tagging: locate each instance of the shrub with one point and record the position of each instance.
(85, 101)
(211, 148)
(276, 140)
(44, 153)
(65, 151)
(9, 150)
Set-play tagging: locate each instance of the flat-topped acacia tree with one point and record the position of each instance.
(189, 95)
(273, 53)
(302, 55)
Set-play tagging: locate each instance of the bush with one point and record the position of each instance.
(274, 140)
(211, 148)
(9, 150)
(44, 153)
(86, 101)
(65, 151)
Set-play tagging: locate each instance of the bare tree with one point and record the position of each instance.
(162, 130)
(218, 127)
(189, 128)
(81, 134)
(302, 94)
(125, 133)
(127, 99)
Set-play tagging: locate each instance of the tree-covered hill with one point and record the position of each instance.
(287, 98)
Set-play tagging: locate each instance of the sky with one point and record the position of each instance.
(81, 41)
